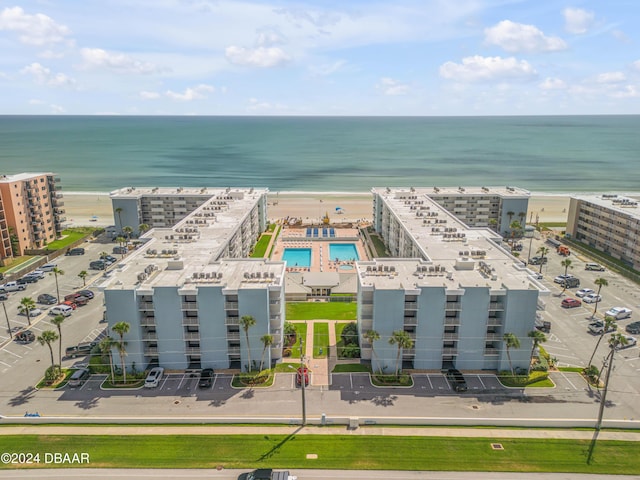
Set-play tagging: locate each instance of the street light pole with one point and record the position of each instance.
(4, 307)
(303, 381)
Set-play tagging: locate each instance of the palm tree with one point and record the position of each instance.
(510, 341)
(493, 223)
(267, 341)
(57, 321)
(121, 241)
(609, 323)
(246, 322)
(510, 215)
(601, 282)
(47, 338)
(57, 271)
(128, 231)
(119, 211)
(514, 227)
(542, 251)
(83, 275)
(402, 340)
(523, 217)
(121, 328)
(538, 337)
(26, 305)
(372, 336)
(106, 347)
(143, 227)
(566, 263)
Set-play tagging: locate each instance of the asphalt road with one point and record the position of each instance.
(108, 474)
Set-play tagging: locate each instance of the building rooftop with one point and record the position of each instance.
(618, 203)
(19, 177)
(187, 253)
(506, 191)
(455, 254)
(138, 192)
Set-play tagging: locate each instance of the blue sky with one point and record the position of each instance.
(352, 57)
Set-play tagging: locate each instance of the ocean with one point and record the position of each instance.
(544, 154)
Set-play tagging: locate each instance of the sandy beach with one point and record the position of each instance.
(94, 209)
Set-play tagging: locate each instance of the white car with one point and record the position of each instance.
(48, 267)
(562, 278)
(619, 313)
(583, 292)
(33, 312)
(591, 298)
(13, 286)
(631, 341)
(154, 377)
(39, 274)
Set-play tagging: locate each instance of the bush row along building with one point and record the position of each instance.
(31, 213)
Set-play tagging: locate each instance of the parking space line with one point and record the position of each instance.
(166, 377)
(483, 385)
(15, 354)
(215, 377)
(5, 363)
(570, 383)
(184, 376)
(430, 384)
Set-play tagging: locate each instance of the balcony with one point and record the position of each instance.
(189, 306)
(491, 337)
(193, 351)
(450, 336)
(230, 305)
(453, 306)
(496, 306)
(451, 321)
(491, 351)
(192, 336)
(190, 321)
(151, 351)
(145, 306)
(410, 321)
(449, 350)
(410, 305)
(233, 336)
(232, 321)
(150, 337)
(494, 322)
(148, 322)
(233, 351)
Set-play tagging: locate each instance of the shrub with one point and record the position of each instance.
(350, 351)
(286, 352)
(51, 374)
(350, 334)
(592, 373)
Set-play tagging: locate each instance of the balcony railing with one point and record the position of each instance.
(145, 306)
(491, 351)
(193, 351)
(152, 351)
(230, 305)
(189, 305)
(232, 321)
(187, 321)
(410, 305)
(192, 335)
(233, 351)
(148, 322)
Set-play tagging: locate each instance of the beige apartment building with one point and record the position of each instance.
(609, 223)
(31, 210)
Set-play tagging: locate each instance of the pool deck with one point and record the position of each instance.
(320, 257)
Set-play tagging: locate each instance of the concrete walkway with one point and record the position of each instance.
(320, 367)
(493, 433)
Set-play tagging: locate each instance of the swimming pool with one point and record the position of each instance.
(343, 251)
(297, 257)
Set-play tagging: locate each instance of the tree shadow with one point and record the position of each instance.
(384, 400)
(23, 397)
(217, 403)
(248, 394)
(279, 445)
(88, 404)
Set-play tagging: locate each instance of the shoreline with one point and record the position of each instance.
(94, 208)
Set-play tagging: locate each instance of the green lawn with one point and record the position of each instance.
(301, 330)
(69, 236)
(350, 367)
(261, 247)
(334, 452)
(321, 310)
(535, 379)
(320, 340)
(379, 245)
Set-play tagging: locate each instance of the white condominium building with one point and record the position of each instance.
(609, 223)
(185, 290)
(453, 289)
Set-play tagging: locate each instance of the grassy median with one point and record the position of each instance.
(334, 452)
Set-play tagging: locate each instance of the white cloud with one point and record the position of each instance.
(35, 29)
(577, 21)
(35, 101)
(517, 37)
(389, 86)
(45, 76)
(256, 105)
(117, 62)
(636, 65)
(629, 91)
(327, 69)
(263, 57)
(57, 108)
(611, 77)
(552, 84)
(191, 93)
(149, 95)
(478, 68)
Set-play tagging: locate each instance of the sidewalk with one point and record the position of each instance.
(312, 430)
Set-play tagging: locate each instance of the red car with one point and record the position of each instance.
(69, 303)
(302, 371)
(570, 303)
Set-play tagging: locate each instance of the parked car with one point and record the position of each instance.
(64, 310)
(537, 260)
(4, 296)
(33, 312)
(47, 299)
(70, 304)
(571, 282)
(594, 266)
(39, 274)
(562, 278)
(97, 265)
(119, 250)
(619, 313)
(591, 298)
(86, 293)
(543, 325)
(597, 327)
(456, 379)
(630, 342)
(78, 377)
(583, 292)
(25, 336)
(75, 251)
(76, 299)
(267, 474)
(48, 267)
(206, 378)
(633, 328)
(300, 373)
(13, 287)
(80, 349)
(154, 377)
(570, 303)
(26, 280)
(109, 259)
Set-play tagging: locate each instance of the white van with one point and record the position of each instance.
(594, 266)
(154, 377)
(64, 310)
(79, 377)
